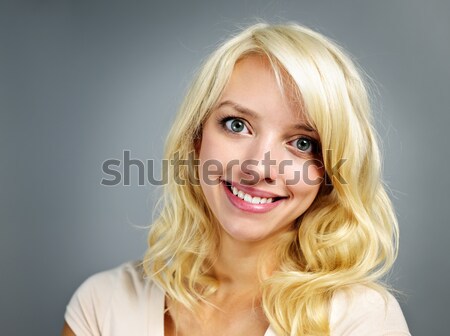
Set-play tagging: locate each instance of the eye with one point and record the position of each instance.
(306, 145)
(235, 125)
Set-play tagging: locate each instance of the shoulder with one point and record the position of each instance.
(112, 298)
(362, 310)
(125, 280)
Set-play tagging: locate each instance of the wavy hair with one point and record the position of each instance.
(348, 236)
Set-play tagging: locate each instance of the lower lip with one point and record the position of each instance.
(249, 207)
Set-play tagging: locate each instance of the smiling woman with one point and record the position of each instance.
(290, 233)
(254, 202)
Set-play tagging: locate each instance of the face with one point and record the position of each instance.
(259, 158)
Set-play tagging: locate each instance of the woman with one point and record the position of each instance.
(274, 220)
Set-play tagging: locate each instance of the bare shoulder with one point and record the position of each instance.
(365, 310)
(67, 331)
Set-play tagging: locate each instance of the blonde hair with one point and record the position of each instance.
(348, 236)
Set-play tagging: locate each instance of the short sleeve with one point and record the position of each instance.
(364, 311)
(88, 306)
(120, 301)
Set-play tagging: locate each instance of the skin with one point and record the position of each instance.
(234, 309)
(254, 87)
(245, 235)
(67, 331)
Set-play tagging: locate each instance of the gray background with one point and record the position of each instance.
(82, 81)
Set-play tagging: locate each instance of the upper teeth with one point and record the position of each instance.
(249, 198)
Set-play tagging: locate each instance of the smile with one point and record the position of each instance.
(251, 203)
(249, 198)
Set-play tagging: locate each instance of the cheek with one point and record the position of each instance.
(216, 152)
(308, 174)
(314, 174)
(209, 144)
(213, 157)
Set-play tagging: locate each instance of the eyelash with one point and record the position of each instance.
(223, 123)
(314, 144)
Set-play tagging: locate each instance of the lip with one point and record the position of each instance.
(249, 207)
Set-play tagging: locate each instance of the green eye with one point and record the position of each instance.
(303, 144)
(235, 125)
(306, 145)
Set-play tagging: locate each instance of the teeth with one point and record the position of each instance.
(248, 198)
(235, 191)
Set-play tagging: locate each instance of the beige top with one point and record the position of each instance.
(121, 302)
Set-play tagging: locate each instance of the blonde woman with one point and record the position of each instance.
(274, 220)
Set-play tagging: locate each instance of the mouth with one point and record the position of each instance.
(251, 203)
(249, 198)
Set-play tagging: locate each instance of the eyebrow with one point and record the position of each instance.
(239, 108)
(253, 114)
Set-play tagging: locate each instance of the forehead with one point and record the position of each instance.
(258, 85)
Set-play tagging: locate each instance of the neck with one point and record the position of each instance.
(237, 266)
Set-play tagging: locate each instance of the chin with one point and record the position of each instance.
(248, 232)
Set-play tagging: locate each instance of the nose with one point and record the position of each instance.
(261, 162)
